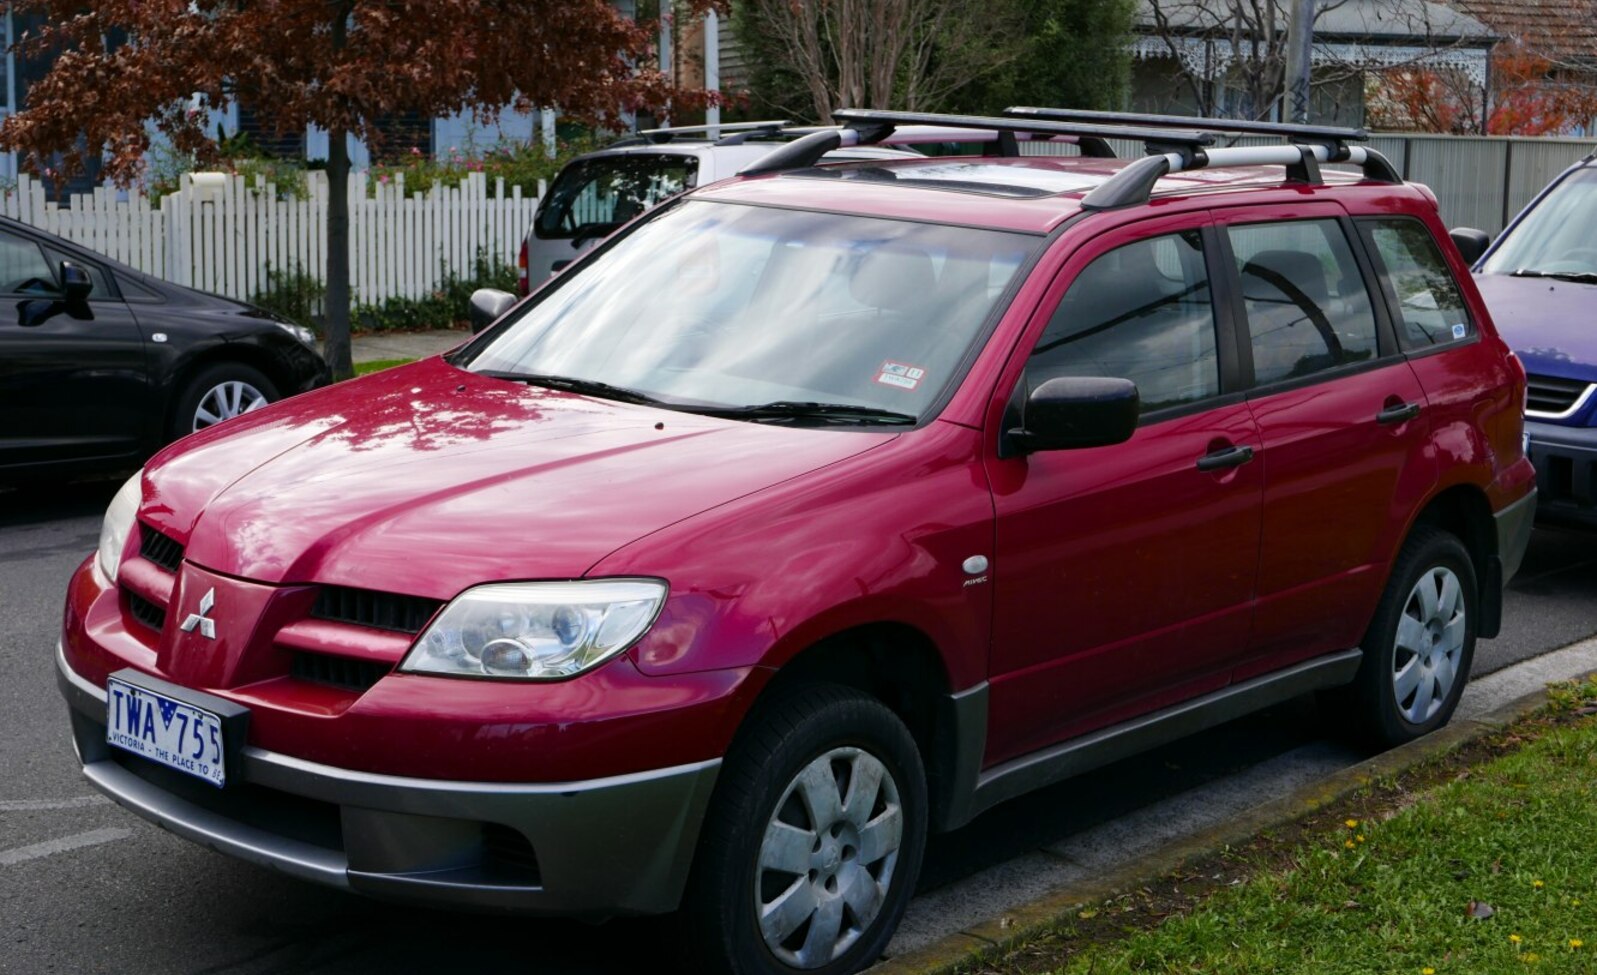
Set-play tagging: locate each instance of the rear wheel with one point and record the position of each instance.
(810, 854)
(1418, 649)
(220, 392)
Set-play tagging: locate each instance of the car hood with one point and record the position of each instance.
(427, 479)
(1548, 323)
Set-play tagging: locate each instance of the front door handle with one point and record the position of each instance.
(1398, 413)
(1225, 457)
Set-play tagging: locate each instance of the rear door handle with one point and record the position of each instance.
(1400, 413)
(1225, 457)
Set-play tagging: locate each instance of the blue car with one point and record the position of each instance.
(1539, 279)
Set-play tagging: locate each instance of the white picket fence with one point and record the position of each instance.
(219, 233)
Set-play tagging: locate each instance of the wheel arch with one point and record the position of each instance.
(902, 667)
(242, 353)
(1463, 511)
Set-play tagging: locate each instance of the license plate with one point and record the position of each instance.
(165, 730)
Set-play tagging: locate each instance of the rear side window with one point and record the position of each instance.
(595, 196)
(1430, 309)
(1141, 312)
(1307, 307)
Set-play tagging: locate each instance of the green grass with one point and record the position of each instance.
(1518, 833)
(362, 368)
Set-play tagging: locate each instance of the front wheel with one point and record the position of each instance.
(810, 853)
(220, 392)
(1418, 650)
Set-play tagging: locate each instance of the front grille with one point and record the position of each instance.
(379, 610)
(145, 611)
(342, 672)
(158, 548)
(1553, 396)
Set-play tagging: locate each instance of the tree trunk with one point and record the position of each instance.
(337, 347)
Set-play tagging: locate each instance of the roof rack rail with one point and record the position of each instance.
(869, 126)
(1288, 130)
(1134, 184)
(745, 129)
(1329, 144)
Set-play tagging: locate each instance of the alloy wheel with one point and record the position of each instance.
(225, 401)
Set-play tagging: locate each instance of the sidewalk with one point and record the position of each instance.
(405, 345)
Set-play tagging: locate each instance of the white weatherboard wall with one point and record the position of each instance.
(219, 233)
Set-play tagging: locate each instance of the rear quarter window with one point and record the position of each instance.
(1428, 308)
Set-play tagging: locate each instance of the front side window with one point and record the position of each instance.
(1141, 312)
(1429, 307)
(23, 269)
(717, 306)
(592, 197)
(1307, 307)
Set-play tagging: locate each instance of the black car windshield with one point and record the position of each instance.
(1555, 239)
(725, 308)
(592, 197)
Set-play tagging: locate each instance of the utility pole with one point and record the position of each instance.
(1299, 44)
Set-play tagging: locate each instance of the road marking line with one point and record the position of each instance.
(76, 841)
(33, 805)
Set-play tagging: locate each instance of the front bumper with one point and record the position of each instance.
(617, 845)
(1566, 473)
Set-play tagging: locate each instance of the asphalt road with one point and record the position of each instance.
(86, 887)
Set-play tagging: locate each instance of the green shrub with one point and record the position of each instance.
(298, 296)
(295, 294)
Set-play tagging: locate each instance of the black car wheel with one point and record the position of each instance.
(810, 853)
(220, 392)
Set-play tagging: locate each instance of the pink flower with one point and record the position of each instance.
(383, 178)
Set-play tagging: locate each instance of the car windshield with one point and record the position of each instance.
(592, 197)
(1554, 239)
(778, 313)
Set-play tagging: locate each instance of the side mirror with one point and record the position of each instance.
(487, 304)
(1470, 242)
(75, 287)
(1071, 412)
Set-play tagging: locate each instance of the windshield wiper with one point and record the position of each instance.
(803, 410)
(568, 384)
(1579, 277)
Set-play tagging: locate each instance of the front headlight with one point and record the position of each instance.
(536, 630)
(118, 523)
(298, 331)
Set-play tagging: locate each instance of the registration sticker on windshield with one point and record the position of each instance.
(900, 375)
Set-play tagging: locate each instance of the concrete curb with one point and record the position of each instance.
(1035, 917)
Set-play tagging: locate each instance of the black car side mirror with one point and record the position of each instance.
(75, 287)
(1073, 412)
(1470, 242)
(487, 304)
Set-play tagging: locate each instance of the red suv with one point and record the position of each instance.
(815, 510)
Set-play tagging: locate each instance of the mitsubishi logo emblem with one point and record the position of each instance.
(205, 623)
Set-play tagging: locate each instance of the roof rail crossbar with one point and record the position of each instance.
(1093, 138)
(746, 129)
(1288, 130)
(1134, 184)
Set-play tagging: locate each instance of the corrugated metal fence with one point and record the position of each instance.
(1479, 181)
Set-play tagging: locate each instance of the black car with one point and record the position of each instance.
(101, 364)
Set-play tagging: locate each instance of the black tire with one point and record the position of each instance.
(783, 739)
(208, 379)
(1371, 706)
